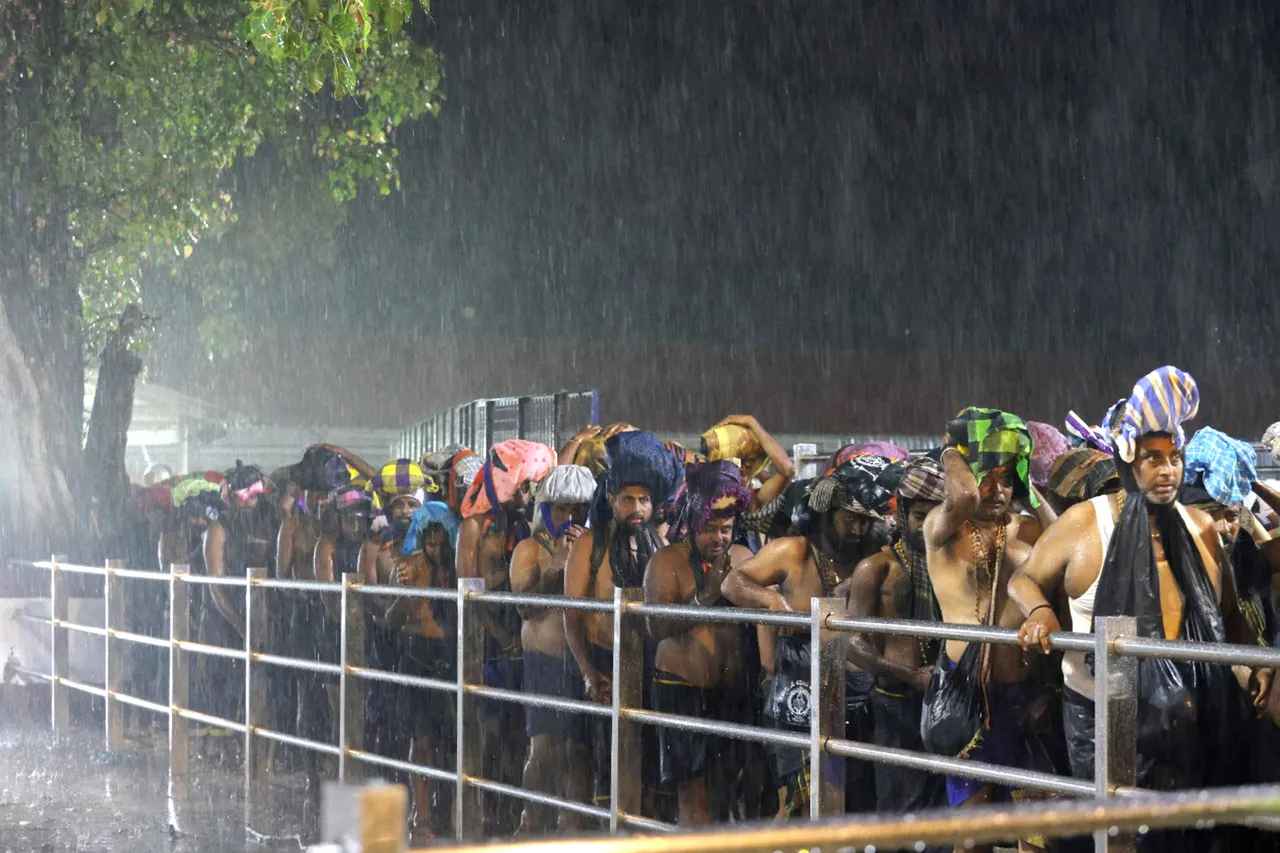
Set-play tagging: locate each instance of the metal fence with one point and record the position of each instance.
(1114, 644)
(550, 419)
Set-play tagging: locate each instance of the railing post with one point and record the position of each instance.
(179, 678)
(1115, 721)
(827, 656)
(351, 690)
(255, 696)
(625, 753)
(468, 818)
(59, 605)
(113, 666)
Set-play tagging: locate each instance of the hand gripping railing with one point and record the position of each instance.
(1115, 646)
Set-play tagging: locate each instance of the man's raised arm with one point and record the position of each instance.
(962, 499)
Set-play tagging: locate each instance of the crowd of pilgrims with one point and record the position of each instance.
(1005, 523)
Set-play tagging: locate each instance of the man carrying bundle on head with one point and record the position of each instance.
(894, 584)
(493, 523)
(427, 649)
(641, 475)
(1142, 553)
(454, 469)
(784, 576)
(700, 670)
(973, 545)
(558, 763)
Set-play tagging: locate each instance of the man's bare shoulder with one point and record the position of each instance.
(1079, 520)
(526, 552)
(878, 563)
(794, 547)
(670, 557)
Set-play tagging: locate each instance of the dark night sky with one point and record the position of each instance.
(889, 208)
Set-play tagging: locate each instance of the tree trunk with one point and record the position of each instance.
(41, 405)
(108, 436)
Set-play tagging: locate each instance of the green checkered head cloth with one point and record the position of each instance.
(990, 439)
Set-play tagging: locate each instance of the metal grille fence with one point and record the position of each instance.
(1114, 644)
(550, 419)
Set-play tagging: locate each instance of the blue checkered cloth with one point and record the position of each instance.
(1229, 466)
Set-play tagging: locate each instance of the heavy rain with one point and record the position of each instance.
(500, 421)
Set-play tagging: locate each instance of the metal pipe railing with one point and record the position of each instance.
(962, 827)
(1115, 645)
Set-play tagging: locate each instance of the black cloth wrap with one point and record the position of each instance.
(1187, 711)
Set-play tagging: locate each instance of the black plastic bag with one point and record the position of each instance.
(787, 704)
(954, 706)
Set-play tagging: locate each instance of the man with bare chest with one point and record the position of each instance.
(972, 546)
(494, 522)
(1142, 553)
(894, 584)
(613, 554)
(557, 763)
(698, 668)
(784, 576)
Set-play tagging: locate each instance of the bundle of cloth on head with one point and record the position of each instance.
(400, 478)
(1218, 468)
(591, 453)
(989, 439)
(246, 482)
(430, 514)
(1084, 435)
(1271, 441)
(729, 442)
(635, 458)
(198, 498)
(711, 490)
(1081, 474)
(566, 484)
(351, 499)
(1047, 445)
(454, 468)
(1187, 707)
(508, 466)
(155, 501)
(852, 488)
(923, 479)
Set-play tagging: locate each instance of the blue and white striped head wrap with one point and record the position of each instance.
(1162, 401)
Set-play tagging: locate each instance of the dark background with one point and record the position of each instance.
(841, 216)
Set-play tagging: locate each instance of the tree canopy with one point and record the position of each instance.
(120, 121)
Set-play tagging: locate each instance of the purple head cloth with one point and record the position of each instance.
(1047, 444)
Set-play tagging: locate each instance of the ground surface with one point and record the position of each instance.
(67, 795)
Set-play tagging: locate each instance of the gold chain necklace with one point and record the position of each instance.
(984, 564)
(826, 572)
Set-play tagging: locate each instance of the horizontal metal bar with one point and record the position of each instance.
(639, 822)
(140, 703)
(32, 617)
(71, 567)
(31, 673)
(80, 629)
(215, 580)
(1062, 641)
(714, 727)
(961, 767)
(976, 825)
(405, 591)
(210, 720)
(537, 797)
(721, 614)
(306, 586)
(540, 700)
(407, 680)
(1227, 653)
(141, 639)
(139, 574)
(83, 688)
(297, 663)
(402, 766)
(293, 740)
(212, 651)
(553, 602)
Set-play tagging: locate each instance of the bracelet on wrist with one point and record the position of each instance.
(1038, 607)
